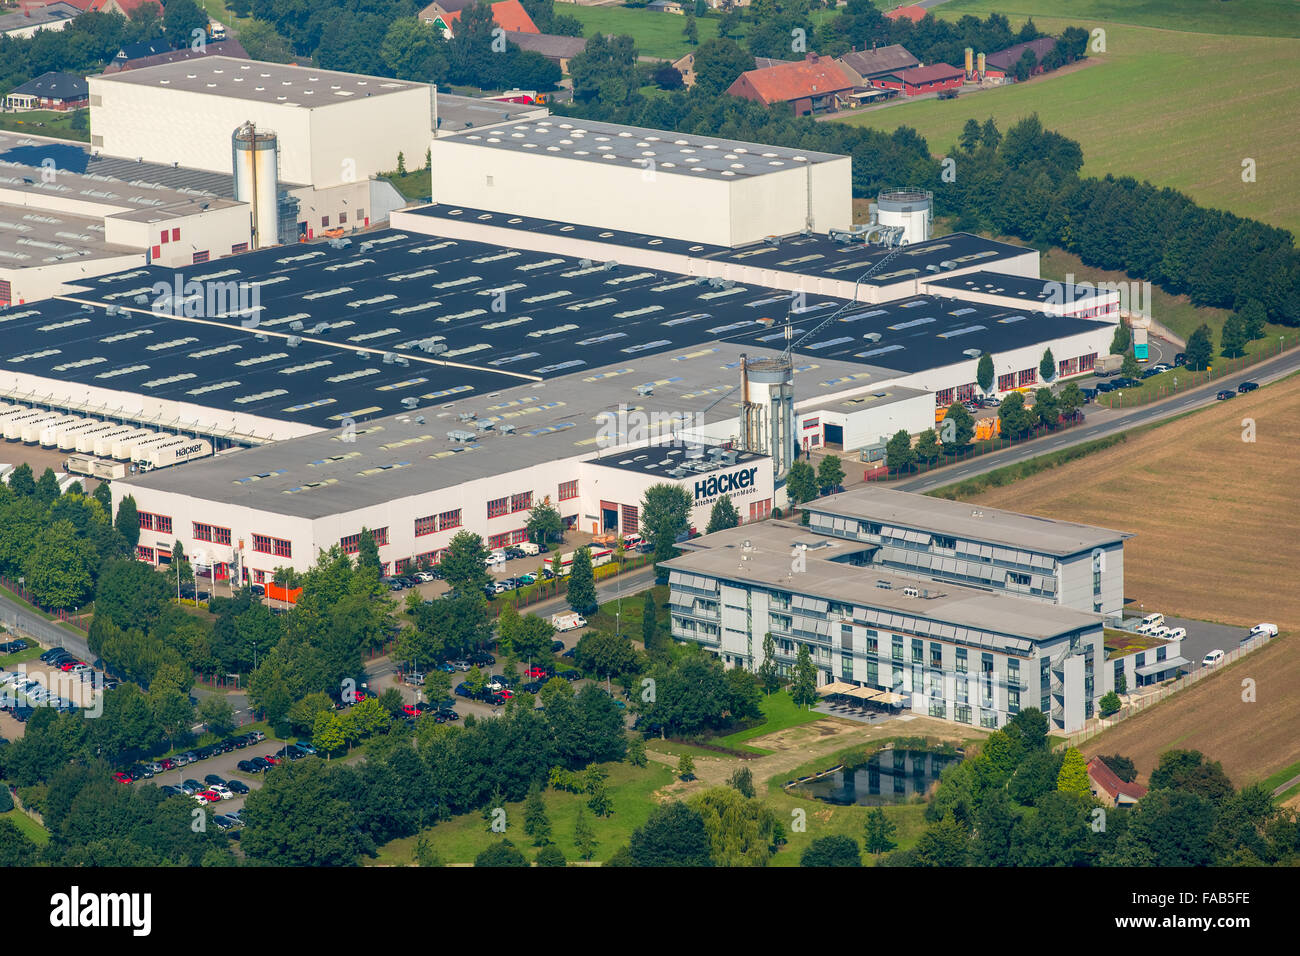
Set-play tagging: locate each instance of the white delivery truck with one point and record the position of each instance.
(568, 622)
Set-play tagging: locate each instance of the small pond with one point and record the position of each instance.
(888, 776)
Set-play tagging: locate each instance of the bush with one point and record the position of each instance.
(1110, 704)
(6, 800)
(551, 856)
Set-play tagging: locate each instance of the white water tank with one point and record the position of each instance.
(767, 410)
(907, 208)
(254, 154)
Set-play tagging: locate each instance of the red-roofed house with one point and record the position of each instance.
(509, 15)
(1003, 63)
(914, 13)
(811, 85)
(124, 7)
(1109, 788)
(922, 79)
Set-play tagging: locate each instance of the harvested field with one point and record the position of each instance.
(1218, 534)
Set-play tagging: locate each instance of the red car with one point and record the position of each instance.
(271, 759)
(69, 666)
(537, 673)
(168, 764)
(410, 711)
(121, 777)
(209, 795)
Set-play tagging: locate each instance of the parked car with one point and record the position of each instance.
(1213, 659)
(172, 791)
(191, 787)
(305, 747)
(482, 659)
(557, 647)
(237, 786)
(1104, 387)
(212, 779)
(1226, 394)
(121, 777)
(532, 687)
(1247, 387)
(247, 766)
(1262, 630)
(1162, 367)
(442, 716)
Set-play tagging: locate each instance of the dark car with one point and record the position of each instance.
(212, 779)
(172, 791)
(261, 763)
(1103, 387)
(238, 743)
(462, 690)
(1149, 372)
(532, 687)
(482, 659)
(442, 716)
(192, 786)
(570, 653)
(1226, 394)
(557, 647)
(237, 786)
(247, 766)
(570, 675)
(1247, 387)
(1126, 383)
(1180, 358)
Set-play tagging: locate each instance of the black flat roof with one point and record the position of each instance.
(996, 283)
(659, 459)
(504, 316)
(814, 255)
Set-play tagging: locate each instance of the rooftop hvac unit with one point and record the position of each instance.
(467, 416)
(973, 353)
(932, 268)
(419, 419)
(293, 341)
(364, 355)
(388, 358)
(140, 299)
(296, 325)
(506, 429)
(729, 457)
(485, 426)
(261, 337)
(873, 336)
(340, 243)
(947, 264)
(645, 389)
(432, 347)
(727, 283)
(911, 592)
(111, 310)
(610, 266)
(584, 263)
(320, 327)
(401, 360)
(410, 401)
(460, 436)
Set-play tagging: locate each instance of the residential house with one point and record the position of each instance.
(811, 85)
(508, 14)
(558, 49)
(1107, 787)
(50, 91)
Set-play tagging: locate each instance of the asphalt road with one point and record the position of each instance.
(1107, 422)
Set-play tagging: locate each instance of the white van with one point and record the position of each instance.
(529, 548)
(1150, 623)
(1213, 659)
(1264, 630)
(1176, 633)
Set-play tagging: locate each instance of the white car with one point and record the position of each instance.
(1213, 659)
(1150, 623)
(1263, 630)
(1176, 633)
(221, 790)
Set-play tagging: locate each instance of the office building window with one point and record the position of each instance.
(936, 655)
(221, 536)
(426, 525)
(497, 507)
(961, 713)
(262, 543)
(449, 519)
(898, 648)
(1006, 382)
(202, 532)
(568, 489)
(1013, 702)
(961, 660)
(918, 651)
(521, 502)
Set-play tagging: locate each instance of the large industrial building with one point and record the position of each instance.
(585, 310)
(954, 644)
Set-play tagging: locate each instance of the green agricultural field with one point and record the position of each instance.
(1240, 17)
(1179, 109)
(655, 34)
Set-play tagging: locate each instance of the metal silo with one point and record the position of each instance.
(254, 156)
(767, 410)
(908, 209)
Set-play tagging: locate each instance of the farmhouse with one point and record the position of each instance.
(922, 79)
(558, 49)
(866, 66)
(811, 85)
(1003, 63)
(1108, 787)
(508, 14)
(50, 91)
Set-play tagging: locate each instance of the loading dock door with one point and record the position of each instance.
(835, 435)
(608, 517)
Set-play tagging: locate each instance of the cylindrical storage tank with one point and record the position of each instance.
(253, 155)
(771, 397)
(970, 62)
(980, 66)
(909, 208)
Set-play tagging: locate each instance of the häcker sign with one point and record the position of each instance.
(716, 485)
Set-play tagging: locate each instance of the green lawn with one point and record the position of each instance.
(628, 615)
(34, 831)
(462, 838)
(1281, 777)
(780, 713)
(1178, 109)
(44, 123)
(655, 34)
(33, 652)
(416, 185)
(1240, 17)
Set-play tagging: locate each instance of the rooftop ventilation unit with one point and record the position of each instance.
(460, 436)
(261, 337)
(320, 327)
(296, 325)
(293, 341)
(947, 264)
(340, 243)
(432, 347)
(485, 426)
(111, 310)
(729, 457)
(87, 307)
(610, 266)
(584, 263)
(506, 429)
(645, 389)
(873, 336)
(467, 416)
(401, 360)
(727, 283)
(932, 268)
(140, 299)
(911, 592)
(884, 585)
(410, 401)
(973, 353)
(389, 358)
(419, 419)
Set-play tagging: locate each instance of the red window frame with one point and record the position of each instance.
(1006, 382)
(497, 507)
(162, 524)
(1088, 362)
(1028, 376)
(176, 234)
(283, 549)
(144, 553)
(350, 543)
(220, 535)
(262, 543)
(145, 519)
(521, 502)
(426, 525)
(449, 519)
(568, 489)
(499, 540)
(202, 532)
